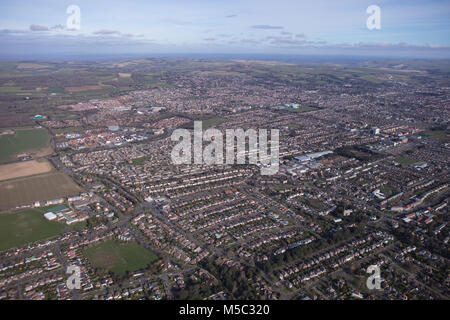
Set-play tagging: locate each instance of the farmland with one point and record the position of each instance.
(22, 169)
(83, 88)
(34, 141)
(120, 257)
(17, 229)
(25, 191)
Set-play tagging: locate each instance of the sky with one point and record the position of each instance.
(408, 28)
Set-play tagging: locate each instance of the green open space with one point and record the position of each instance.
(67, 129)
(10, 89)
(405, 160)
(139, 161)
(22, 141)
(358, 152)
(212, 122)
(314, 203)
(18, 229)
(120, 257)
(441, 135)
(295, 126)
(207, 122)
(388, 190)
(55, 90)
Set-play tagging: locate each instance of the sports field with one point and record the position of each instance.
(120, 257)
(23, 169)
(207, 122)
(441, 135)
(34, 141)
(24, 191)
(405, 160)
(139, 161)
(18, 229)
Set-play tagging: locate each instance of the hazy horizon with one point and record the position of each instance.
(286, 58)
(412, 29)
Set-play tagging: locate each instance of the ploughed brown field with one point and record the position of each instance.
(31, 66)
(23, 169)
(25, 191)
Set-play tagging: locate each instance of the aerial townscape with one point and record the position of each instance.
(88, 180)
(95, 203)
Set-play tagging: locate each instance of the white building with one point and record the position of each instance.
(50, 216)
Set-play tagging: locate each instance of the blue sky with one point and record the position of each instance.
(415, 28)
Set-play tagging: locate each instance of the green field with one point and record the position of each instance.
(10, 89)
(388, 190)
(66, 130)
(18, 229)
(314, 203)
(206, 122)
(295, 126)
(139, 161)
(405, 160)
(120, 257)
(24, 140)
(212, 122)
(56, 90)
(441, 135)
